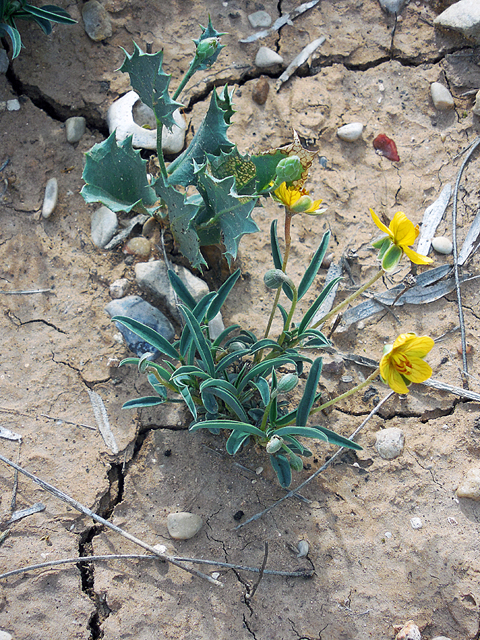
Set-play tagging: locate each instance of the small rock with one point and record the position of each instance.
(183, 525)
(260, 91)
(390, 443)
(392, 6)
(119, 288)
(416, 523)
(13, 105)
(441, 96)
(334, 368)
(121, 119)
(103, 226)
(260, 19)
(50, 198)
(350, 132)
(409, 631)
(441, 244)
(440, 638)
(138, 309)
(303, 548)
(267, 58)
(463, 16)
(4, 635)
(215, 326)
(138, 247)
(470, 485)
(75, 129)
(476, 106)
(4, 61)
(96, 21)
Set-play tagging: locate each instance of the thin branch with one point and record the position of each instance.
(250, 595)
(322, 468)
(88, 512)
(455, 260)
(302, 573)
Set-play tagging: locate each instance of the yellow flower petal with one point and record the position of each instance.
(420, 370)
(380, 224)
(404, 362)
(419, 346)
(403, 230)
(415, 257)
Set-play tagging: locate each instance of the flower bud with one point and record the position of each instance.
(391, 258)
(289, 169)
(296, 462)
(275, 278)
(236, 346)
(274, 444)
(206, 48)
(287, 383)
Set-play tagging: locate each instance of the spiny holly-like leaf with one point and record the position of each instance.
(181, 213)
(211, 137)
(209, 32)
(265, 164)
(234, 164)
(226, 210)
(116, 176)
(151, 83)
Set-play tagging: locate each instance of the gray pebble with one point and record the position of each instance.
(267, 58)
(4, 61)
(96, 21)
(392, 6)
(13, 105)
(260, 91)
(463, 16)
(334, 368)
(441, 97)
(441, 244)
(260, 19)
(215, 326)
(390, 443)
(50, 198)
(350, 132)
(470, 485)
(440, 638)
(75, 129)
(183, 525)
(138, 309)
(103, 226)
(119, 288)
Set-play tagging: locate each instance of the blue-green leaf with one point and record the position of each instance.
(227, 397)
(50, 13)
(308, 398)
(265, 343)
(140, 403)
(296, 446)
(314, 266)
(199, 339)
(313, 309)
(181, 290)
(260, 369)
(282, 468)
(304, 432)
(228, 424)
(335, 438)
(156, 386)
(149, 335)
(225, 333)
(222, 295)
(235, 441)
(264, 389)
(198, 312)
(186, 395)
(277, 258)
(226, 361)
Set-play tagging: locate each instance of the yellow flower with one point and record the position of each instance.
(402, 362)
(297, 200)
(401, 233)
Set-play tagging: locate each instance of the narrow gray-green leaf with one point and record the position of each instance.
(308, 398)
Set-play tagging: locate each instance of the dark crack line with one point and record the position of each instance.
(19, 323)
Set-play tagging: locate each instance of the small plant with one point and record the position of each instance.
(223, 185)
(13, 10)
(240, 382)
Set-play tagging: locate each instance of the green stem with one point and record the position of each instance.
(186, 78)
(348, 300)
(360, 386)
(289, 317)
(161, 159)
(288, 242)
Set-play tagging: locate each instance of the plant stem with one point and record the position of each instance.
(161, 159)
(186, 78)
(288, 241)
(289, 317)
(350, 392)
(348, 300)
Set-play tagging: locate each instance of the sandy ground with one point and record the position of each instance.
(372, 570)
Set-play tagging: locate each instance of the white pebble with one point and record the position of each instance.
(389, 443)
(260, 19)
(388, 534)
(441, 96)
(215, 575)
(4, 635)
(470, 485)
(440, 638)
(303, 548)
(103, 226)
(75, 128)
(441, 244)
(416, 523)
(183, 525)
(50, 198)
(119, 288)
(350, 132)
(476, 106)
(462, 16)
(267, 58)
(392, 6)
(409, 631)
(13, 105)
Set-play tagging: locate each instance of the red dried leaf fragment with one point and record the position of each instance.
(387, 147)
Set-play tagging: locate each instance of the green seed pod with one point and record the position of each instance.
(275, 278)
(296, 462)
(235, 346)
(289, 169)
(206, 48)
(287, 383)
(274, 444)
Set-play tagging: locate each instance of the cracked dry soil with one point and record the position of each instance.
(55, 346)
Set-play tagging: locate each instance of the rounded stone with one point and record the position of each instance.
(13, 105)
(390, 443)
(441, 97)
(138, 247)
(409, 631)
(50, 198)
(441, 244)
(350, 132)
(260, 91)
(4, 635)
(476, 106)
(440, 638)
(183, 525)
(470, 485)
(119, 288)
(260, 19)
(75, 128)
(416, 523)
(103, 226)
(267, 58)
(462, 16)
(96, 21)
